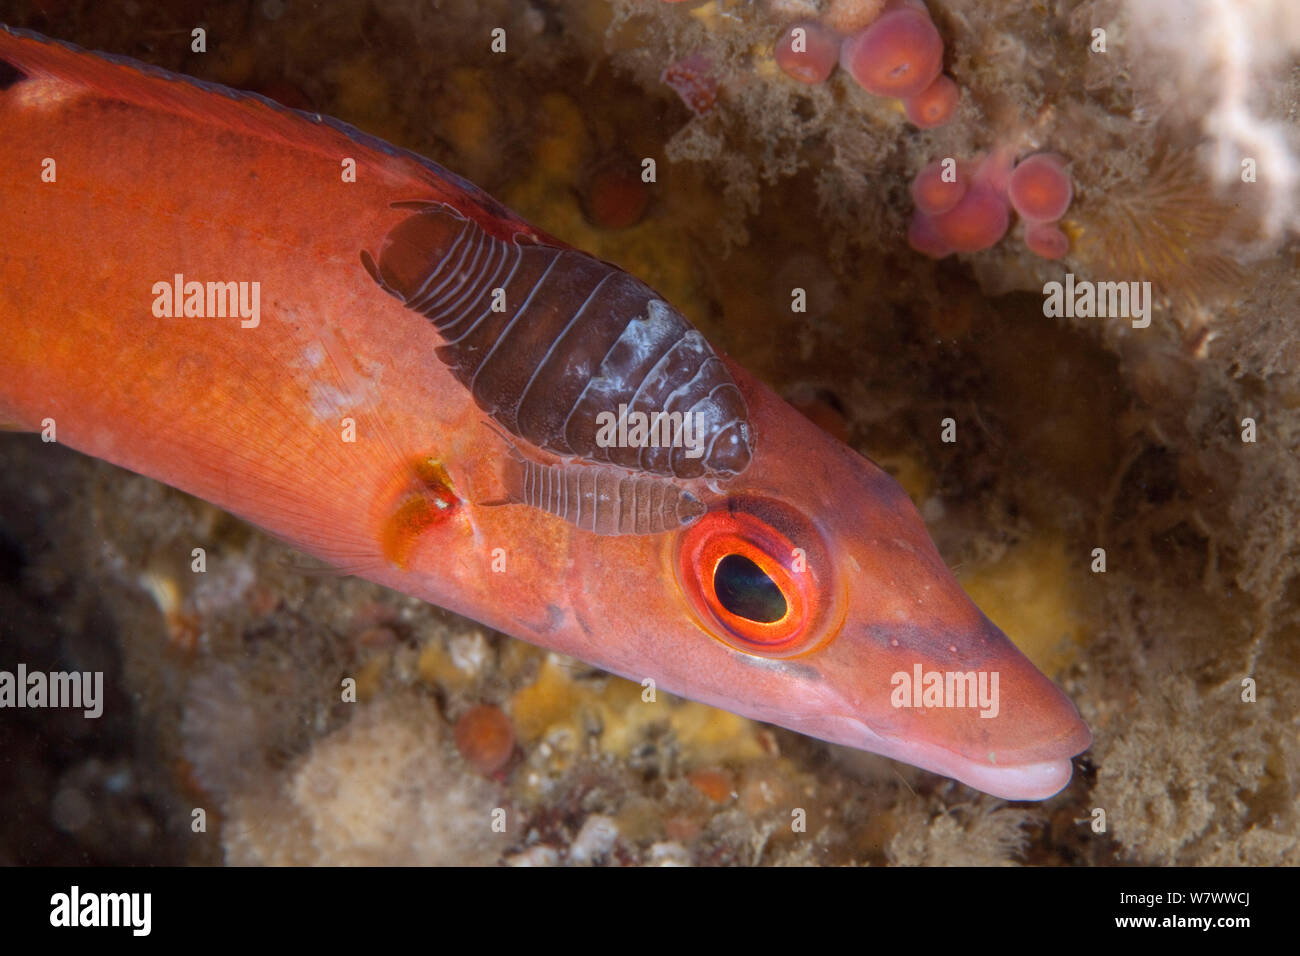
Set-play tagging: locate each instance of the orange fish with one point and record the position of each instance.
(365, 355)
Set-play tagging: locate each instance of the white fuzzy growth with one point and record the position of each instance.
(595, 840)
(539, 855)
(1227, 59)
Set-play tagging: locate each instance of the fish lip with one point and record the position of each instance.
(1033, 781)
(1030, 780)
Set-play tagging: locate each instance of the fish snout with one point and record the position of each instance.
(967, 704)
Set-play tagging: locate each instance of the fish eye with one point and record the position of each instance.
(745, 589)
(758, 577)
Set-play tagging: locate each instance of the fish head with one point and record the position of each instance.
(815, 579)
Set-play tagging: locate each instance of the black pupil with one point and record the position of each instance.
(745, 590)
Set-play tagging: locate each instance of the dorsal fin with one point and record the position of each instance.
(127, 80)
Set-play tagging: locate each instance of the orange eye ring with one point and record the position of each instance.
(758, 577)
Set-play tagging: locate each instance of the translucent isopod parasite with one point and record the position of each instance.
(547, 338)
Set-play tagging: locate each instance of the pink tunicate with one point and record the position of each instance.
(924, 237)
(994, 170)
(898, 55)
(934, 105)
(932, 194)
(809, 56)
(978, 221)
(1040, 189)
(1046, 240)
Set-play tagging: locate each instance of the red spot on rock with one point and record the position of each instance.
(485, 738)
(615, 197)
(717, 785)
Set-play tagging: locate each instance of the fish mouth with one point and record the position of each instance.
(1031, 781)
(999, 776)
